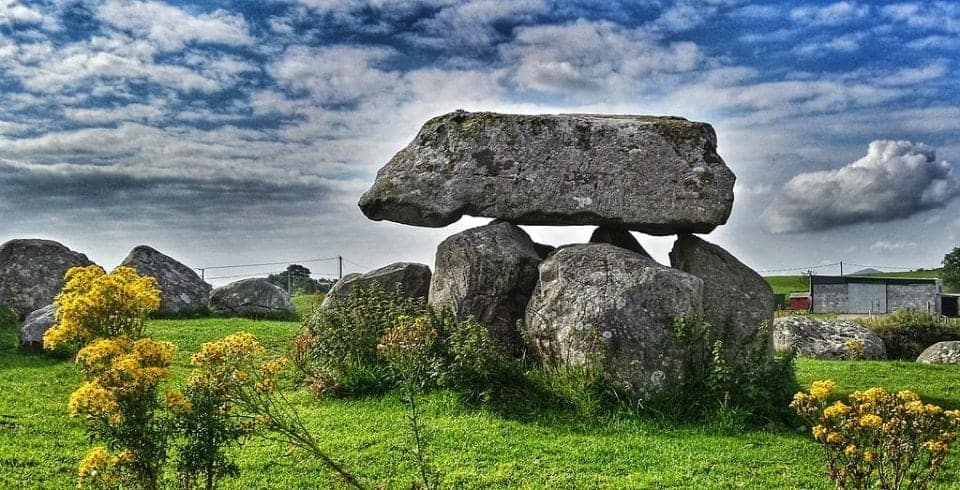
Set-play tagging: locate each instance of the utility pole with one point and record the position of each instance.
(841, 267)
(340, 261)
(202, 274)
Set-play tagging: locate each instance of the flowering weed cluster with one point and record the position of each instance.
(878, 438)
(94, 304)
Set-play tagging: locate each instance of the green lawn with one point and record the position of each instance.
(788, 284)
(471, 447)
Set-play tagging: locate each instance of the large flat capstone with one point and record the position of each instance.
(657, 175)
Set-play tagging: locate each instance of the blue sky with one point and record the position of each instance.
(224, 132)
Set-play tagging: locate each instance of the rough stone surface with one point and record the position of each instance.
(37, 324)
(251, 298)
(182, 292)
(543, 249)
(734, 295)
(619, 237)
(824, 339)
(489, 273)
(941, 353)
(31, 272)
(414, 277)
(658, 175)
(599, 303)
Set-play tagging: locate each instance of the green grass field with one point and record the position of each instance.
(470, 447)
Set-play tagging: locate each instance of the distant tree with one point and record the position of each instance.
(296, 277)
(951, 269)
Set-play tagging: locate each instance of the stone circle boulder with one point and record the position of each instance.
(489, 273)
(603, 304)
(824, 339)
(734, 295)
(415, 279)
(619, 237)
(32, 272)
(251, 298)
(182, 292)
(941, 353)
(657, 175)
(36, 324)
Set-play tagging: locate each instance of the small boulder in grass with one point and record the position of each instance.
(941, 353)
(826, 339)
(37, 324)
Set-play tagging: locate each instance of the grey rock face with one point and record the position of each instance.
(941, 353)
(734, 295)
(824, 339)
(182, 292)
(619, 237)
(32, 272)
(543, 249)
(658, 175)
(414, 277)
(606, 305)
(37, 324)
(489, 273)
(251, 298)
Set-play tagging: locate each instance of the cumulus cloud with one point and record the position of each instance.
(888, 246)
(896, 179)
(170, 28)
(830, 15)
(595, 57)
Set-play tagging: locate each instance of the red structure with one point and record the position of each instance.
(799, 301)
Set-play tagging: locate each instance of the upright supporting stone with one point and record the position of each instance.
(182, 292)
(415, 279)
(32, 272)
(605, 305)
(488, 273)
(619, 237)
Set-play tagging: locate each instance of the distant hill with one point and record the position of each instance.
(866, 272)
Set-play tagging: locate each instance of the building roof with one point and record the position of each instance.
(871, 280)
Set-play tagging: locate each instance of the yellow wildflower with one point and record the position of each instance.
(936, 446)
(178, 403)
(822, 389)
(869, 456)
(871, 421)
(908, 396)
(92, 400)
(819, 431)
(95, 463)
(850, 450)
(834, 438)
(838, 409)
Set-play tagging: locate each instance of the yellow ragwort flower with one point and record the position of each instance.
(871, 421)
(822, 389)
(838, 409)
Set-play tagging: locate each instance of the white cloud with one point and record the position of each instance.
(170, 28)
(917, 75)
(15, 12)
(846, 43)
(336, 74)
(896, 179)
(937, 16)
(130, 112)
(830, 15)
(946, 43)
(599, 58)
(887, 246)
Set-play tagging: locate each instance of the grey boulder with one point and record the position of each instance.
(619, 237)
(32, 272)
(735, 298)
(941, 353)
(825, 339)
(37, 324)
(251, 298)
(415, 279)
(489, 273)
(605, 306)
(182, 292)
(657, 175)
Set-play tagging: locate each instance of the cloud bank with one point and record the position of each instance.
(896, 179)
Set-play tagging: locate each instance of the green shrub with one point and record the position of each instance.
(373, 339)
(8, 317)
(907, 333)
(746, 380)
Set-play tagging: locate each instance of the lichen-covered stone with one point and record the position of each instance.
(489, 273)
(415, 279)
(658, 175)
(37, 324)
(619, 237)
(251, 298)
(182, 292)
(735, 297)
(613, 308)
(825, 339)
(32, 272)
(941, 353)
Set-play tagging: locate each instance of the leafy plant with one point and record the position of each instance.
(906, 333)
(878, 438)
(951, 269)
